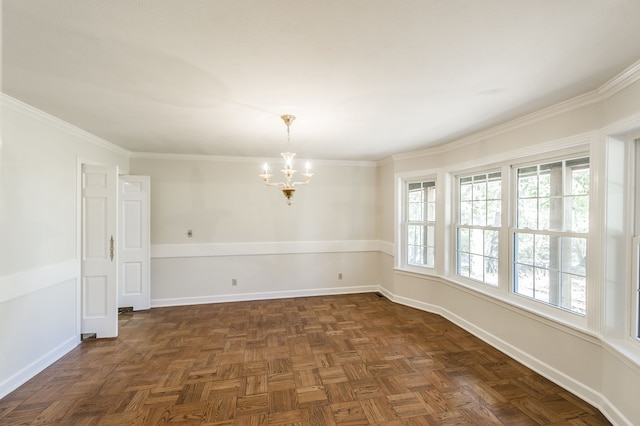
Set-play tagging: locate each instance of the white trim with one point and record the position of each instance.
(239, 159)
(159, 251)
(29, 371)
(241, 297)
(387, 247)
(621, 81)
(21, 284)
(562, 107)
(32, 112)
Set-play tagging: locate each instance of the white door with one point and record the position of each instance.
(99, 264)
(133, 249)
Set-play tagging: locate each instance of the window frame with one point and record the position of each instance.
(457, 225)
(556, 311)
(403, 212)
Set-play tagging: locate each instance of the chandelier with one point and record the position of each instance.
(288, 186)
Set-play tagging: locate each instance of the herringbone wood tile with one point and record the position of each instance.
(335, 360)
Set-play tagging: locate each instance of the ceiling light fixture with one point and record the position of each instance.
(288, 187)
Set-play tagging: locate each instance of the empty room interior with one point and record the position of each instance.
(334, 184)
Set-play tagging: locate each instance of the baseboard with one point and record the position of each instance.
(29, 371)
(585, 393)
(243, 297)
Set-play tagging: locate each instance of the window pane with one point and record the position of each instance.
(553, 173)
(415, 212)
(494, 189)
(574, 255)
(416, 196)
(541, 284)
(541, 251)
(465, 213)
(494, 209)
(491, 243)
(479, 213)
(463, 264)
(574, 298)
(528, 213)
(523, 280)
(431, 191)
(465, 189)
(547, 251)
(414, 234)
(491, 271)
(463, 239)
(417, 187)
(580, 181)
(479, 189)
(477, 241)
(524, 248)
(430, 261)
(430, 236)
(544, 213)
(527, 182)
(477, 267)
(578, 207)
(412, 255)
(431, 212)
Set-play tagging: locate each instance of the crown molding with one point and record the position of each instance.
(236, 159)
(623, 80)
(559, 108)
(35, 113)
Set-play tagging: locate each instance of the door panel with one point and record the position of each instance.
(99, 263)
(134, 282)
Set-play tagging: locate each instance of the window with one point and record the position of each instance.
(550, 236)
(420, 216)
(478, 224)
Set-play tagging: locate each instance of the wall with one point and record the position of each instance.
(39, 263)
(244, 230)
(591, 361)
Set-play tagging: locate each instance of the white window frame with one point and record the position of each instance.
(402, 215)
(457, 225)
(553, 310)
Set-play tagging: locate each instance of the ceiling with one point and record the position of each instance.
(365, 78)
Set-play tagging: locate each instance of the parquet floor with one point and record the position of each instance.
(347, 360)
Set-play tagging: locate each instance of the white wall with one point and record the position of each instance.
(39, 263)
(590, 361)
(243, 229)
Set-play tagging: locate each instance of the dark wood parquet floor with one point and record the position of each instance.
(346, 360)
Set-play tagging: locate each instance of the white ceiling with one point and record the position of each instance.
(366, 78)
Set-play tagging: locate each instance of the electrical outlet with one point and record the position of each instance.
(234, 281)
(339, 275)
(189, 233)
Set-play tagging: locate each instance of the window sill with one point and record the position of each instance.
(628, 351)
(418, 270)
